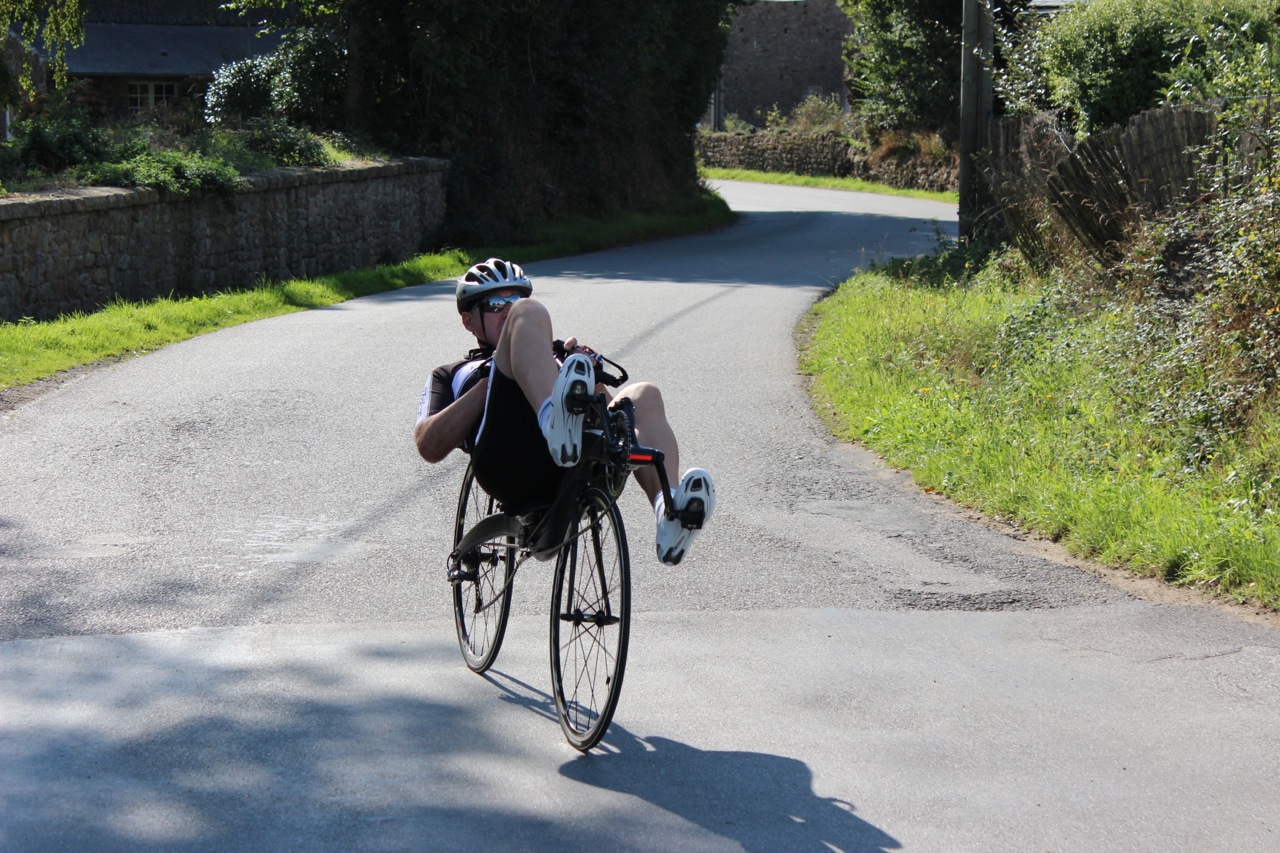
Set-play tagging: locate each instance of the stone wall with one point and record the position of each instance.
(780, 53)
(817, 154)
(79, 250)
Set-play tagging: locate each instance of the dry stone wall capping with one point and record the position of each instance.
(79, 250)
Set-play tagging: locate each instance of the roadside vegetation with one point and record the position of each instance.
(1109, 426)
(68, 139)
(1122, 399)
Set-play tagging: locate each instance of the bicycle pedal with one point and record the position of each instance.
(458, 573)
(578, 398)
(693, 515)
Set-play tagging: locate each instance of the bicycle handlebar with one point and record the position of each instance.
(603, 376)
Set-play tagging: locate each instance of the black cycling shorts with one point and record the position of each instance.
(510, 458)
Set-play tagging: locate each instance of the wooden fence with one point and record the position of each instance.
(1096, 189)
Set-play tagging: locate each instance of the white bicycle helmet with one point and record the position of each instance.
(488, 276)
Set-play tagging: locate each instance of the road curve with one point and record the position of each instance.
(224, 624)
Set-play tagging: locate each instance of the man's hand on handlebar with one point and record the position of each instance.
(572, 345)
(569, 346)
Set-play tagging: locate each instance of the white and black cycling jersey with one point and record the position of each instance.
(448, 382)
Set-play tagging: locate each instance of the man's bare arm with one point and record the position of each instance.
(439, 434)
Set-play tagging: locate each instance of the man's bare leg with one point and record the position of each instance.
(653, 430)
(524, 351)
(524, 354)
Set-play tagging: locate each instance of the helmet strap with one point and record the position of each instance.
(484, 331)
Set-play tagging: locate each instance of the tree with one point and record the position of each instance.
(54, 24)
(546, 108)
(903, 62)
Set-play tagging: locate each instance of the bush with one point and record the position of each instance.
(167, 171)
(285, 144)
(302, 82)
(58, 134)
(1237, 63)
(815, 114)
(1103, 61)
(310, 82)
(241, 90)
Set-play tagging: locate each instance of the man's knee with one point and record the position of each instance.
(528, 324)
(647, 398)
(528, 309)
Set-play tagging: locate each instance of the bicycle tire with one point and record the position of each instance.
(481, 603)
(590, 621)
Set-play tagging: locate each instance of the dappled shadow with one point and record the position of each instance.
(763, 802)
(12, 543)
(524, 695)
(345, 740)
(188, 741)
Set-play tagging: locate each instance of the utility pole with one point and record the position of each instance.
(976, 94)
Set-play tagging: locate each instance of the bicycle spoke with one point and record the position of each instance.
(482, 594)
(590, 623)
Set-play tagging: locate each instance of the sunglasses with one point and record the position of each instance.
(494, 304)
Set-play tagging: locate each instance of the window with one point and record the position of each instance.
(147, 96)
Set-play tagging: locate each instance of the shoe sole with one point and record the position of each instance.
(699, 497)
(569, 384)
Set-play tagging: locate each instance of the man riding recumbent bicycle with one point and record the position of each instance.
(551, 449)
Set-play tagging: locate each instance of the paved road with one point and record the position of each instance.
(223, 622)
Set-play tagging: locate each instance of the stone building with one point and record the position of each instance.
(779, 53)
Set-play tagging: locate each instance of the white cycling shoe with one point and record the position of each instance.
(563, 427)
(696, 491)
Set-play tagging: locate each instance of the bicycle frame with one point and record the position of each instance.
(609, 455)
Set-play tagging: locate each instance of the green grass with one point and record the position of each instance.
(852, 184)
(1039, 430)
(35, 350)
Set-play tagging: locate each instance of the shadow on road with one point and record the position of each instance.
(262, 740)
(760, 801)
(763, 802)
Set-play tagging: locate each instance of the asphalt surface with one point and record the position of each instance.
(224, 622)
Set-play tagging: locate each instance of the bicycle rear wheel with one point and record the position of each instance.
(482, 595)
(590, 621)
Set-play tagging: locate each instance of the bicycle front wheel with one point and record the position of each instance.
(590, 621)
(482, 593)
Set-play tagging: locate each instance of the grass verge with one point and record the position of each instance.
(963, 384)
(30, 351)
(851, 184)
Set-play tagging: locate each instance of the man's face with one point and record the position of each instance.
(486, 326)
